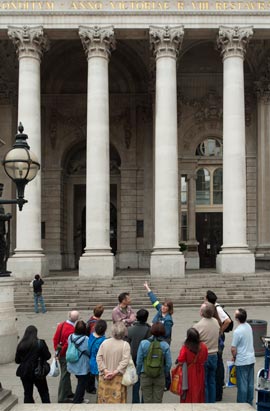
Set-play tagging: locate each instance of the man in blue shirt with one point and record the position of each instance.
(243, 354)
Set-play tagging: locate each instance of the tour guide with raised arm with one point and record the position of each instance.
(164, 313)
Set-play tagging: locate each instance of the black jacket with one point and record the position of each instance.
(37, 285)
(136, 334)
(28, 359)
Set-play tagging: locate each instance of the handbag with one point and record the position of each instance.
(54, 371)
(42, 369)
(130, 376)
(176, 379)
(179, 378)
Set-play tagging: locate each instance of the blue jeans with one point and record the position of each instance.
(210, 368)
(39, 299)
(245, 383)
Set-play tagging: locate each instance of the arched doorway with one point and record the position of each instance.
(209, 200)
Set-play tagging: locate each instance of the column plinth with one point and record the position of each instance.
(30, 44)
(97, 260)
(235, 256)
(166, 259)
(8, 329)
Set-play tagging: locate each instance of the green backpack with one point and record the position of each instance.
(154, 361)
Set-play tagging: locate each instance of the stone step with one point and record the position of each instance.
(7, 400)
(68, 292)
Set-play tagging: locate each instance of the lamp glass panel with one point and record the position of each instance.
(16, 163)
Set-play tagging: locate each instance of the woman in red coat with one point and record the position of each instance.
(194, 353)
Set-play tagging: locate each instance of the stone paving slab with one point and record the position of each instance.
(183, 319)
(134, 407)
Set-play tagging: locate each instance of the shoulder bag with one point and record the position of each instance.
(43, 368)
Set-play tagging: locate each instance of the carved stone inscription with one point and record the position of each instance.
(135, 5)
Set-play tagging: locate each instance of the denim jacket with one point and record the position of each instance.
(167, 321)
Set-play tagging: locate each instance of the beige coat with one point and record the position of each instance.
(113, 355)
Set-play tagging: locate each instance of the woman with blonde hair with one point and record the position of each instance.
(112, 360)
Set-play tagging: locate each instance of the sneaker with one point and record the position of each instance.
(86, 401)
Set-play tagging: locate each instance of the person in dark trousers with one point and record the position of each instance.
(29, 349)
(38, 297)
(138, 332)
(60, 343)
(223, 320)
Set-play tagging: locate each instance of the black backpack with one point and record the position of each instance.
(230, 326)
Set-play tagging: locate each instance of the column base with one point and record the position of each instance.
(192, 260)
(8, 330)
(27, 266)
(97, 266)
(171, 264)
(192, 257)
(230, 263)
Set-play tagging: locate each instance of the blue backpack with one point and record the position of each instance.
(73, 353)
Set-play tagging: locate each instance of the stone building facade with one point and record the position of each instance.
(151, 123)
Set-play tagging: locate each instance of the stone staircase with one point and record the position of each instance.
(64, 291)
(7, 399)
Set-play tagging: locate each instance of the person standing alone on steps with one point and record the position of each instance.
(38, 297)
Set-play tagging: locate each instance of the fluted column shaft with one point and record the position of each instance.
(30, 44)
(232, 43)
(98, 43)
(166, 43)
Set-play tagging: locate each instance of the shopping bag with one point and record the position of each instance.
(230, 374)
(54, 371)
(130, 376)
(176, 379)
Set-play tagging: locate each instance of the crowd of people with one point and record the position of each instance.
(99, 362)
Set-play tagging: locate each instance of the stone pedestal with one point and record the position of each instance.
(167, 264)
(97, 266)
(8, 330)
(25, 266)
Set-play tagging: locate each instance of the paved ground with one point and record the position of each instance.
(183, 319)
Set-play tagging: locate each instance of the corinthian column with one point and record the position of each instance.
(166, 259)
(30, 43)
(235, 256)
(263, 163)
(97, 260)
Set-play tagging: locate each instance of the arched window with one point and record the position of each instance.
(211, 147)
(203, 186)
(217, 186)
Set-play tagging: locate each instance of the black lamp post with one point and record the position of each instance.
(21, 165)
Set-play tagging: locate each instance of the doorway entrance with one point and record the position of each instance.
(80, 220)
(209, 237)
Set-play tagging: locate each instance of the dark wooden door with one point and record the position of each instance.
(209, 237)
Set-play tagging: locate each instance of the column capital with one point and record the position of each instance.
(233, 41)
(29, 41)
(97, 41)
(191, 176)
(166, 41)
